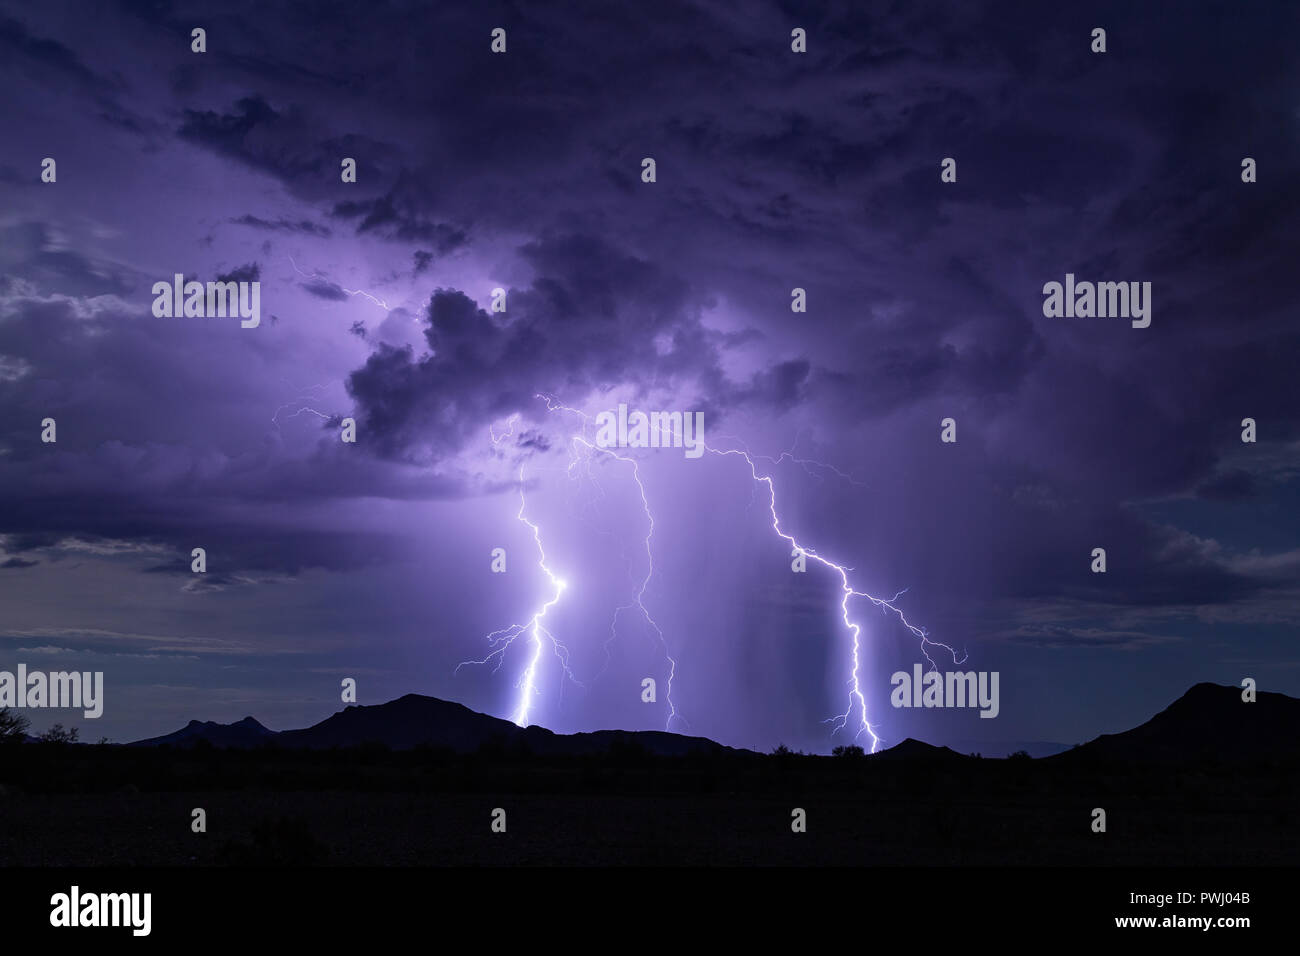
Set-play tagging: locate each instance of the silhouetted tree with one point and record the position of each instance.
(13, 727)
(1020, 755)
(58, 735)
(848, 750)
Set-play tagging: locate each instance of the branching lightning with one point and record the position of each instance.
(582, 447)
(582, 450)
(857, 698)
(304, 395)
(501, 640)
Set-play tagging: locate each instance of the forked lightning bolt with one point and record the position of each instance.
(501, 640)
(857, 705)
(301, 400)
(857, 699)
(582, 449)
(581, 445)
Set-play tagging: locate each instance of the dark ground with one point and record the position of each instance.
(106, 805)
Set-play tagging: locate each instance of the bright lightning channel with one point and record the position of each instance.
(501, 640)
(857, 702)
(857, 698)
(580, 441)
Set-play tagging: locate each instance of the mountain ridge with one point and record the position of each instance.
(415, 720)
(1208, 722)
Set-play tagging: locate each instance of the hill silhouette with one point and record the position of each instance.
(418, 721)
(242, 733)
(913, 749)
(1209, 722)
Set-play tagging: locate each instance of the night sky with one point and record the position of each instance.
(774, 170)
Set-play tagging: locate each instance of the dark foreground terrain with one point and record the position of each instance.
(1229, 799)
(338, 809)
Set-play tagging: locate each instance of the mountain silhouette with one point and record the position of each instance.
(243, 733)
(415, 721)
(406, 722)
(913, 749)
(1209, 722)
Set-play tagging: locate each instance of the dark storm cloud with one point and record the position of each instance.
(58, 69)
(54, 57)
(229, 134)
(18, 563)
(304, 226)
(382, 217)
(589, 319)
(324, 289)
(285, 143)
(249, 272)
(176, 481)
(772, 151)
(125, 514)
(782, 386)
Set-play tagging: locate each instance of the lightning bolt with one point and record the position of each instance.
(808, 464)
(317, 275)
(510, 430)
(582, 452)
(301, 399)
(857, 698)
(501, 640)
(580, 441)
